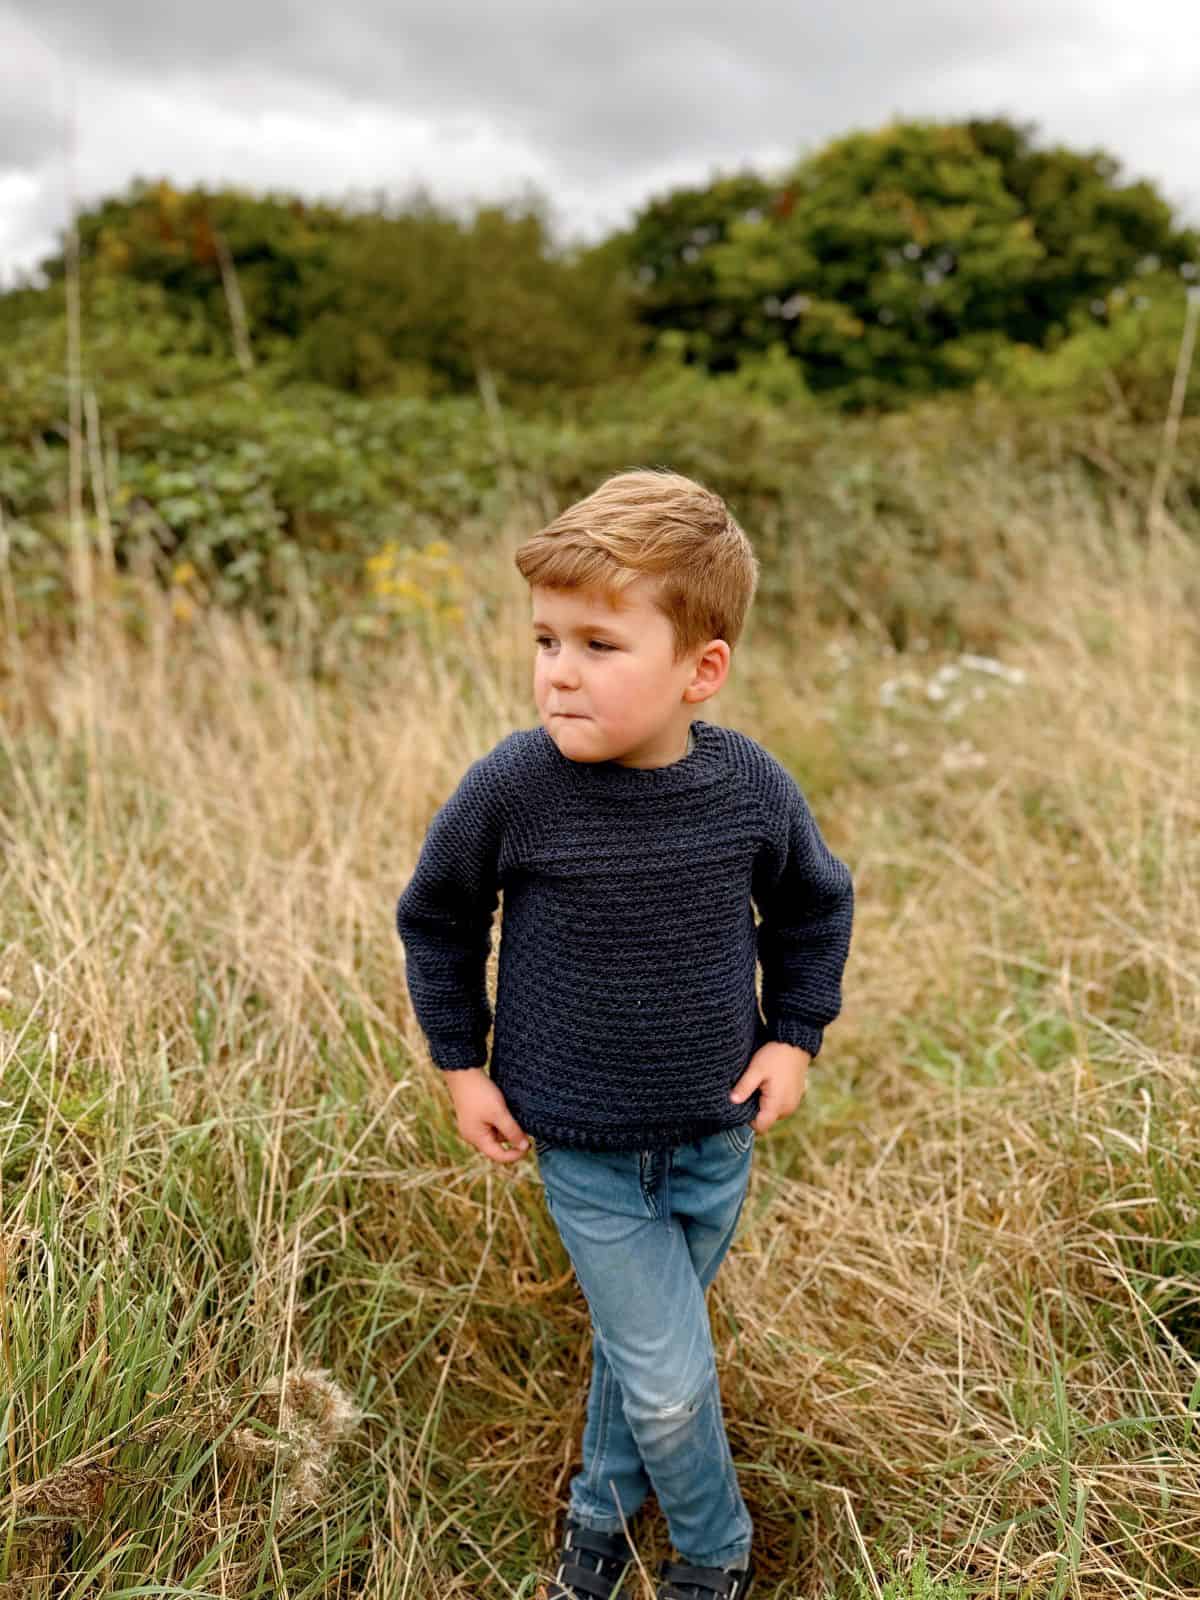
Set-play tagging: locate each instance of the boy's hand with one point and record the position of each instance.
(782, 1070)
(484, 1119)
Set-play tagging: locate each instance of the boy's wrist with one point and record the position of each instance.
(459, 1077)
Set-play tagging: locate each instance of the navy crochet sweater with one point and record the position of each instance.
(626, 1004)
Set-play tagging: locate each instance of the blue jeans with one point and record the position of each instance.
(646, 1231)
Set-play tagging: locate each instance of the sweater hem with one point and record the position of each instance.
(631, 1137)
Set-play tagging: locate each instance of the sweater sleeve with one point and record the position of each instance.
(805, 900)
(444, 919)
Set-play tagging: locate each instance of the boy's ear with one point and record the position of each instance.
(712, 666)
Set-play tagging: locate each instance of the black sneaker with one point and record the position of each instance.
(679, 1580)
(591, 1565)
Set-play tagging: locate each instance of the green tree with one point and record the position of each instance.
(1095, 232)
(889, 272)
(397, 297)
(175, 238)
(425, 293)
(670, 255)
(902, 261)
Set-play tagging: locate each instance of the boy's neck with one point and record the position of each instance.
(689, 744)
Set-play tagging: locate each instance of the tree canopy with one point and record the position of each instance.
(895, 262)
(886, 265)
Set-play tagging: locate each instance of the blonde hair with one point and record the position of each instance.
(652, 523)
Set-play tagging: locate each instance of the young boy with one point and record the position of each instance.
(630, 839)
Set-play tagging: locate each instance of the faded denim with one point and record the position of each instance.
(646, 1231)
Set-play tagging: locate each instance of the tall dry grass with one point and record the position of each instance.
(269, 1326)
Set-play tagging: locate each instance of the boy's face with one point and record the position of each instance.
(604, 680)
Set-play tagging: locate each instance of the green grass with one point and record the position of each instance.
(268, 1326)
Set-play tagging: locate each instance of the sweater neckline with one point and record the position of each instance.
(698, 769)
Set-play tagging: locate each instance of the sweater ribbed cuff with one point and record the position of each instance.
(455, 1055)
(798, 1033)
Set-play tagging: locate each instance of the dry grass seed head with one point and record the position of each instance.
(312, 1414)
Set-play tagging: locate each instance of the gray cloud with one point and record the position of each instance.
(594, 86)
(600, 105)
(29, 133)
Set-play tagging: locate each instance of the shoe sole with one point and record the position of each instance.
(748, 1588)
(557, 1591)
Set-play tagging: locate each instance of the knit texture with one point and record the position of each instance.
(626, 1005)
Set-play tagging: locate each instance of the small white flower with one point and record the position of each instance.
(946, 674)
(890, 688)
(840, 653)
(962, 757)
(994, 668)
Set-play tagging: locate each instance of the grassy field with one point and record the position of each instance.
(268, 1326)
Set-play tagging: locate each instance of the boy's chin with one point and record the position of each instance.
(575, 735)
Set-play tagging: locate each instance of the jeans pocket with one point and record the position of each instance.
(740, 1138)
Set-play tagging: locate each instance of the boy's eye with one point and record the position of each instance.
(597, 644)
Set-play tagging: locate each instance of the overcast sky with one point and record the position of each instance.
(600, 105)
